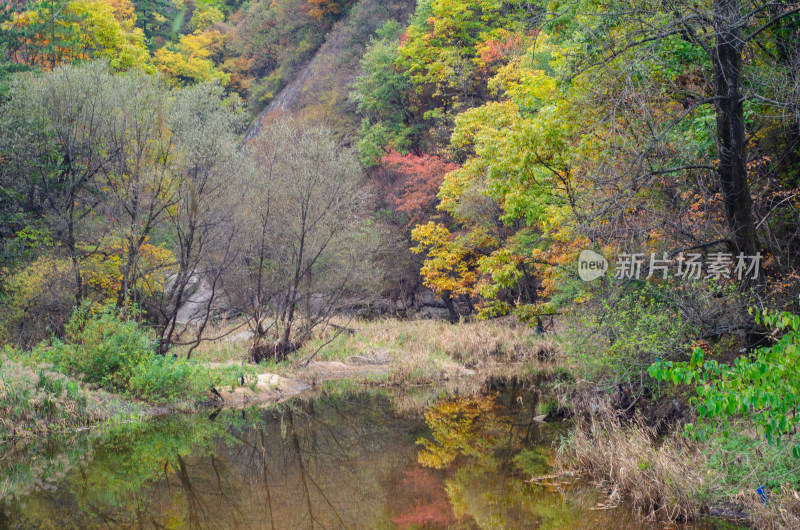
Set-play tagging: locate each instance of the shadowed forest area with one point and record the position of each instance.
(223, 203)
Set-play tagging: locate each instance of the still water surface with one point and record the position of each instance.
(341, 457)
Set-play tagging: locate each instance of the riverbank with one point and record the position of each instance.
(343, 454)
(631, 446)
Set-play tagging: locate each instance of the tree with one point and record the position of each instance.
(212, 176)
(381, 94)
(191, 59)
(129, 181)
(440, 47)
(422, 175)
(138, 176)
(54, 127)
(51, 32)
(327, 9)
(305, 245)
(510, 198)
(712, 41)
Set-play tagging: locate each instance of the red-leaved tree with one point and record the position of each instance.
(421, 176)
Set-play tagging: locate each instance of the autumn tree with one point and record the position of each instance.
(212, 174)
(126, 183)
(54, 127)
(326, 9)
(51, 32)
(440, 49)
(305, 244)
(191, 59)
(731, 49)
(421, 176)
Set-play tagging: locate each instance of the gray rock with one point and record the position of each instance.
(376, 357)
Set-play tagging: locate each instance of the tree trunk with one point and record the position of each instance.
(451, 307)
(731, 131)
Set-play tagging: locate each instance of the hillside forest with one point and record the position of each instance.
(174, 173)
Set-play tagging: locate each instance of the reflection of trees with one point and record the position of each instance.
(305, 464)
(419, 498)
(300, 465)
(344, 459)
(484, 442)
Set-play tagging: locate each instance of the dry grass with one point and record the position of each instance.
(663, 479)
(422, 351)
(430, 350)
(782, 510)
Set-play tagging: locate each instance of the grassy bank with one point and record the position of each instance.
(670, 477)
(104, 369)
(415, 351)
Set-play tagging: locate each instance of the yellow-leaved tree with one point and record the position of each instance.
(52, 32)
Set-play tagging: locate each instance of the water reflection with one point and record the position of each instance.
(342, 458)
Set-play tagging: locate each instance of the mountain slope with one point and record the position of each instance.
(320, 89)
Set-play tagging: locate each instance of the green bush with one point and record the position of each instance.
(119, 355)
(106, 348)
(761, 387)
(624, 335)
(164, 379)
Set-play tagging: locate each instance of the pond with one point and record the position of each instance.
(342, 456)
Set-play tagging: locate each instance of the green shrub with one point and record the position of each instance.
(761, 387)
(625, 335)
(106, 348)
(164, 379)
(119, 354)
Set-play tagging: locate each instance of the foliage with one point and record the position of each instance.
(38, 301)
(327, 9)
(127, 181)
(440, 46)
(381, 94)
(510, 196)
(116, 353)
(202, 19)
(52, 32)
(190, 60)
(451, 260)
(747, 462)
(761, 386)
(422, 176)
(164, 379)
(104, 348)
(103, 270)
(639, 326)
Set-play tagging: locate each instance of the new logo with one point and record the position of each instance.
(591, 265)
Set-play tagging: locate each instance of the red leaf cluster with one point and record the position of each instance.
(421, 177)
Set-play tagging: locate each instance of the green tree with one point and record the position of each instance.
(381, 94)
(761, 386)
